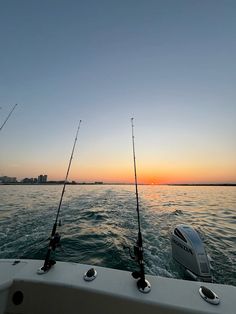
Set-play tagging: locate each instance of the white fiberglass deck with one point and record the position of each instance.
(63, 290)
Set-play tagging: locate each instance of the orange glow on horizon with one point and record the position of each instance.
(168, 174)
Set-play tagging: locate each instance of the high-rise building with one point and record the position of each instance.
(42, 178)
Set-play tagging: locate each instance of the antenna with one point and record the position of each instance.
(55, 237)
(143, 285)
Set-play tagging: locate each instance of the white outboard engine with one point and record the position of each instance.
(189, 251)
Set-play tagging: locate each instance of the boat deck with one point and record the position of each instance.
(64, 290)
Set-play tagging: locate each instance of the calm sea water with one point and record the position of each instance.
(98, 220)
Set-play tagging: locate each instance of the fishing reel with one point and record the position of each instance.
(134, 256)
(48, 263)
(143, 284)
(55, 241)
(136, 252)
(137, 255)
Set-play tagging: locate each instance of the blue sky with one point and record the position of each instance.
(170, 64)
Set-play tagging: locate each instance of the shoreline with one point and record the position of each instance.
(94, 183)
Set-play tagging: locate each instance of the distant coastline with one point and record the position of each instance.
(118, 183)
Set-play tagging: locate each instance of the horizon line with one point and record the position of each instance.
(73, 182)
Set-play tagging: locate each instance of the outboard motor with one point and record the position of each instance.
(189, 251)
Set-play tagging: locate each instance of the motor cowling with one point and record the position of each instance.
(188, 250)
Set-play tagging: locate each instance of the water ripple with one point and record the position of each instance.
(97, 221)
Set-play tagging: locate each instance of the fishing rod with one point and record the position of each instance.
(55, 237)
(8, 117)
(143, 285)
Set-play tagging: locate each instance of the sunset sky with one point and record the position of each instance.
(169, 64)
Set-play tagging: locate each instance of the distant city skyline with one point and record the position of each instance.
(40, 179)
(44, 180)
(169, 64)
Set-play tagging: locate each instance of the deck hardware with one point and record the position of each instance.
(90, 274)
(208, 295)
(144, 288)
